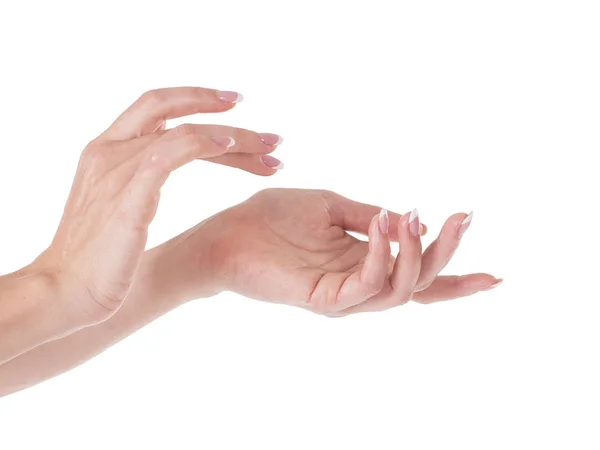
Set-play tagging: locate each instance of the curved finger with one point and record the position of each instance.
(452, 287)
(149, 112)
(238, 139)
(356, 216)
(439, 253)
(337, 291)
(405, 272)
(244, 141)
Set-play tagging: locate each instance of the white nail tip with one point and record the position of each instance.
(383, 219)
(231, 142)
(279, 166)
(279, 140)
(240, 98)
(494, 286)
(468, 219)
(413, 215)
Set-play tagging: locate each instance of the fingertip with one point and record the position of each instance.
(497, 283)
(230, 98)
(479, 281)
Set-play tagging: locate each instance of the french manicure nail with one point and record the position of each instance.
(271, 163)
(414, 224)
(224, 141)
(230, 96)
(495, 285)
(384, 221)
(464, 226)
(270, 139)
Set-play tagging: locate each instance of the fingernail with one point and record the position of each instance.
(270, 139)
(414, 224)
(224, 141)
(271, 163)
(230, 96)
(495, 285)
(384, 221)
(464, 226)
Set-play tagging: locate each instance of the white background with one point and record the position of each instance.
(445, 106)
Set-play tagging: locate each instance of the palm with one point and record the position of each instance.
(282, 243)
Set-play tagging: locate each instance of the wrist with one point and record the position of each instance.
(182, 267)
(155, 280)
(32, 312)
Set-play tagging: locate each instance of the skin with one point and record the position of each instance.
(95, 285)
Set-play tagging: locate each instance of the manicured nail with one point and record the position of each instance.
(414, 224)
(224, 141)
(464, 226)
(271, 163)
(230, 96)
(495, 285)
(384, 221)
(271, 139)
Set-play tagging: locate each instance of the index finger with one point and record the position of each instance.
(149, 112)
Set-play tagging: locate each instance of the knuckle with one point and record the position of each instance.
(184, 129)
(152, 97)
(327, 194)
(196, 145)
(95, 155)
(268, 193)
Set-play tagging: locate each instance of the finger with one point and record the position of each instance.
(245, 141)
(242, 141)
(405, 273)
(356, 216)
(249, 163)
(338, 290)
(126, 156)
(451, 287)
(150, 111)
(439, 253)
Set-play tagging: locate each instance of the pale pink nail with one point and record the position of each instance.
(495, 285)
(464, 226)
(230, 96)
(384, 221)
(224, 141)
(271, 163)
(270, 139)
(414, 224)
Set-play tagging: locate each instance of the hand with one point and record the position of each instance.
(103, 232)
(291, 246)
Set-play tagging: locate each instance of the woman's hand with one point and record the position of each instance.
(103, 232)
(291, 246)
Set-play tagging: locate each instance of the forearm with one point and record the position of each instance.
(33, 310)
(149, 299)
